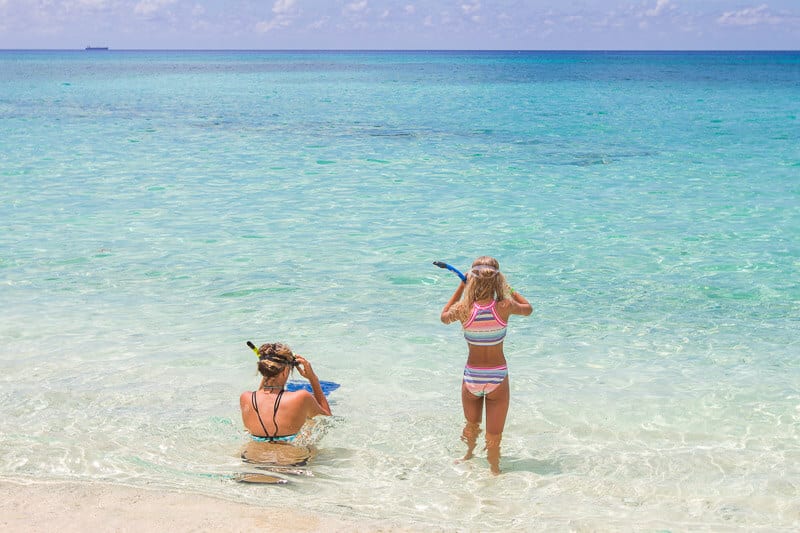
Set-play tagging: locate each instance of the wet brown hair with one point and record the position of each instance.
(273, 358)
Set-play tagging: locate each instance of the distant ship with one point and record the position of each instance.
(97, 48)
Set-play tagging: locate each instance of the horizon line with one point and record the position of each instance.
(110, 49)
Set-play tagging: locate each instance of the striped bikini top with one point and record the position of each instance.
(484, 327)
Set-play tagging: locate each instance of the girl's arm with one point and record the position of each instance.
(519, 305)
(318, 404)
(447, 316)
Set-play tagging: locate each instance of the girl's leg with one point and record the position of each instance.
(473, 412)
(496, 410)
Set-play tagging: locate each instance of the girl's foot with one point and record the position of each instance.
(470, 437)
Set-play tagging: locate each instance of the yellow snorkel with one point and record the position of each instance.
(253, 347)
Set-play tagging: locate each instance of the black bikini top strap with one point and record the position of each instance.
(275, 410)
(255, 407)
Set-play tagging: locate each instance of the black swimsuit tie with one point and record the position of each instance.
(274, 414)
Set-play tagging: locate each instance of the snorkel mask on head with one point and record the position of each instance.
(292, 362)
(280, 360)
(483, 271)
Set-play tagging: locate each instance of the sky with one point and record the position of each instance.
(402, 25)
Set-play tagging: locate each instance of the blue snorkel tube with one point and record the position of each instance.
(451, 268)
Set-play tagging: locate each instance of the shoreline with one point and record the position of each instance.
(78, 506)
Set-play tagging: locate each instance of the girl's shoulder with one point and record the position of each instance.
(299, 395)
(504, 308)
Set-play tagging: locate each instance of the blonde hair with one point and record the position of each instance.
(484, 281)
(273, 358)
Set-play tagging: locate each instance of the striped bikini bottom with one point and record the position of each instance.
(483, 381)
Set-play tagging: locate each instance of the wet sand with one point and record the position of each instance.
(80, 507)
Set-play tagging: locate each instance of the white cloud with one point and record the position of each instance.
(661, 5)
(76, 6)
(282, 6)
(199, 25)
(91, 4)
(751, 16)
(284, 16)
(410, 9)
(149, 7)
(604, 22)
(277, 23)
(354, 7)
(320, 23)
(471, 8)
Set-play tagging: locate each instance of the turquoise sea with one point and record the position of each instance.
(159, 209)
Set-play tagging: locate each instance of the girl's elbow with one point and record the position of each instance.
(324, 410)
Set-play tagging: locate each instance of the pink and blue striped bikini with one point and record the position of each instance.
(484, 328)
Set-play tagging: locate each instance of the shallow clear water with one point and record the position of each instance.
(158, 209)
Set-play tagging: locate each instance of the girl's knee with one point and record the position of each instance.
(471, 432)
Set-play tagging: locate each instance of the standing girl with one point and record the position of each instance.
(484, 313)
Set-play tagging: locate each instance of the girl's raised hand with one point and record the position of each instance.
(304, 367)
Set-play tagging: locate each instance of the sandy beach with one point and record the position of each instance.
(79, 507)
